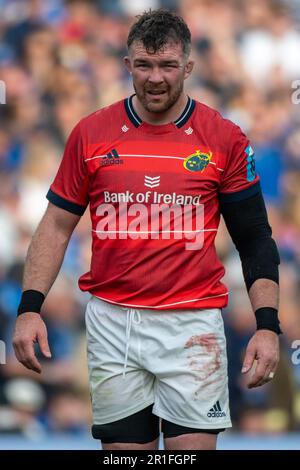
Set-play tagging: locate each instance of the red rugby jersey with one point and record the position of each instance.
(153, 193)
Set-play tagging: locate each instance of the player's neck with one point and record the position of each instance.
(160, 118)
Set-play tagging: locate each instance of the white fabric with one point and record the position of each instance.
(173, 360)
(131, 314)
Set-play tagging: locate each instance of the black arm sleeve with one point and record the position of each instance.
(248, 226)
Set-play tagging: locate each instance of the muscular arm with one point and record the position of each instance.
(47, 248)
(250, 231)
(45, 256)
(264, 293)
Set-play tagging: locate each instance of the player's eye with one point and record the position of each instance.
(142, 66)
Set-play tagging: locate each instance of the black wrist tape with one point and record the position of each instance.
(31, 301)
(267, 319)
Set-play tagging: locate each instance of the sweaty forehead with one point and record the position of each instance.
(171, 51)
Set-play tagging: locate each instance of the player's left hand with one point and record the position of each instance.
(264, 348)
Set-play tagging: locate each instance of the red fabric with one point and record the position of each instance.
(152, 272)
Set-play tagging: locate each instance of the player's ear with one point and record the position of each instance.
(188, 68)
(127, 64)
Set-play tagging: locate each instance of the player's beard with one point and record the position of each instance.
(165, 105)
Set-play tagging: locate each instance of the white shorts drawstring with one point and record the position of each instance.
(133, 316)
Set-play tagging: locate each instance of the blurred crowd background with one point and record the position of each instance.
(61, 60)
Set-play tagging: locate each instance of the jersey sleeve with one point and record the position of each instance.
(69, 189)
(239, 180)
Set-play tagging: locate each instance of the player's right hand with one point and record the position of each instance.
(29, 329)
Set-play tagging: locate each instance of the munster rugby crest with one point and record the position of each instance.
(198, 161)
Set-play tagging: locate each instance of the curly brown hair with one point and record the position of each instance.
(156, 28)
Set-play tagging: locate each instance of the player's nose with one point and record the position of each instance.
(155, 75)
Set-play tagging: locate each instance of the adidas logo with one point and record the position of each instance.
(216, 411)
(112, 158)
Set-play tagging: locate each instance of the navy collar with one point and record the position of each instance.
(183, 118)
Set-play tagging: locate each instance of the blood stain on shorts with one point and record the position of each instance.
(204, 358)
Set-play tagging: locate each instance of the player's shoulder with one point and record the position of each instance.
(214, 119)
(102, 117)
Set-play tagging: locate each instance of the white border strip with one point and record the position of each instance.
(148, 156)
(141, 156)
(163, 305)
(133, 114)
(213, 163)
(187, 111)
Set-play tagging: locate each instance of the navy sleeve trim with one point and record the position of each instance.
(240, 195)
(65, 204)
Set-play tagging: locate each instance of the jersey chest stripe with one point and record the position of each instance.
(139, 156)
(213, 163)
(148, 156)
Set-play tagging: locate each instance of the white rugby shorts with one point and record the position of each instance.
(175, 360)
